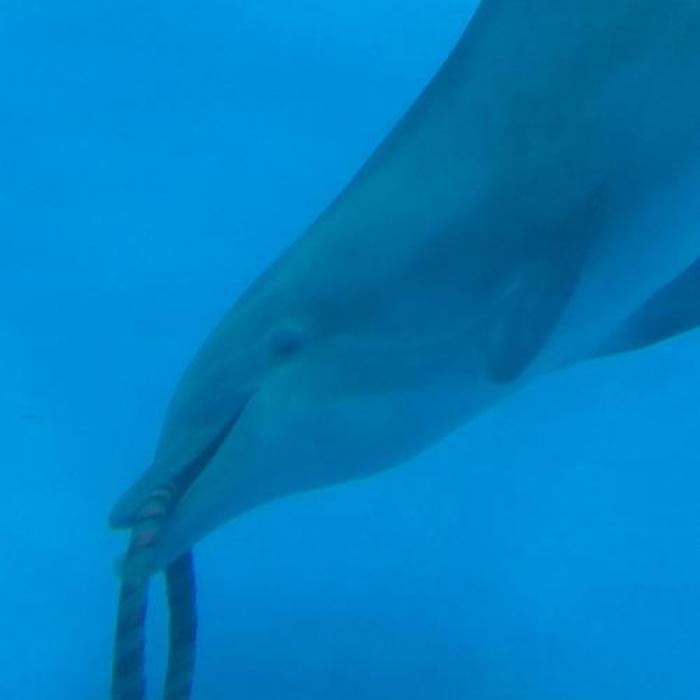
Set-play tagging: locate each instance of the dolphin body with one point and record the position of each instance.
(539, 205)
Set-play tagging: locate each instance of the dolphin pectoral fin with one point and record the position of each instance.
(525, 317)
(674, 310)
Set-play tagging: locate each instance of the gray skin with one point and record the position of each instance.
(539, 205)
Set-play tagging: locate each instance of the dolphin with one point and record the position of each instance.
(538, 206)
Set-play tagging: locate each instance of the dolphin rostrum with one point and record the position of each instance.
(539, 205)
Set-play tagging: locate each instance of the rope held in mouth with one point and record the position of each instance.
(128, 681)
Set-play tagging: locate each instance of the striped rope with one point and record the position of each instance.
(128, 682)
(183, 628)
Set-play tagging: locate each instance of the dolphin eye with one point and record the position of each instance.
(285, 342)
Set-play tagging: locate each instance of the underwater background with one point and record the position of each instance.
(154, 158)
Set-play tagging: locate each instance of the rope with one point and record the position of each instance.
(183, 628)
(128, 661)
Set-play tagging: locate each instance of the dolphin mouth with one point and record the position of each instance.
(163, 500)
(183, 481)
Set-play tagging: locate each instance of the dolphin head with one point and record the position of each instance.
(286, 395)
(219, 417)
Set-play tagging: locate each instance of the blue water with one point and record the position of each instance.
(154, 157)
